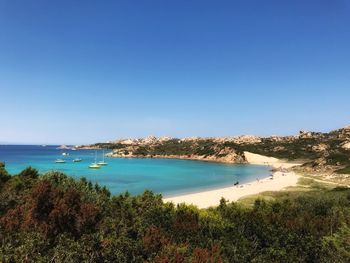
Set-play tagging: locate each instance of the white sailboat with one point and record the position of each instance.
(95, 165)
(102, 163)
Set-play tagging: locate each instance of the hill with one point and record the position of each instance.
(317, 151)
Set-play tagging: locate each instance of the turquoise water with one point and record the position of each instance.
(166, 176)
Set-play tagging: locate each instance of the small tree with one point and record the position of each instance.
(29, 172)
(4, 175)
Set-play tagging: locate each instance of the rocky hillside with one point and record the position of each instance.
(315, 149)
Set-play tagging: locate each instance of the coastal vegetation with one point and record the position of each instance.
(345, 170)
(54, 218)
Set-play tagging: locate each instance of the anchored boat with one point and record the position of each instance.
(103, 163)
(95, 165)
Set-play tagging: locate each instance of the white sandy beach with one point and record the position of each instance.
(233, 193)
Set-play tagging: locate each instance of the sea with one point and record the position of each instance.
(169, 177)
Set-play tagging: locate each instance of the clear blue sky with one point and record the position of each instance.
(87, 71)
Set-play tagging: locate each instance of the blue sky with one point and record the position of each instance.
(87, 71)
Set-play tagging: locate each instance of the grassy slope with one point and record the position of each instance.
(305, 187)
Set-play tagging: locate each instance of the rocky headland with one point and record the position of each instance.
(316, 151)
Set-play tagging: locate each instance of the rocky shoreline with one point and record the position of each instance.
(229, 159)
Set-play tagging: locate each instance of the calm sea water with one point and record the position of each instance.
(166, 176)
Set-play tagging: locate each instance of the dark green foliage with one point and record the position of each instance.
(110, 146)
(170, 147)
(338, 158)
(54, 218)
(340, 242)
(29, 172)
(345, 170)
(4, 176)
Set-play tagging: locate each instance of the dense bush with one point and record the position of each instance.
(54, 218)
(345, 170)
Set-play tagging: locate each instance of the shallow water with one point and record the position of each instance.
(166, 176)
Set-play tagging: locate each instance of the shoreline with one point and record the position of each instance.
(277, 182)
(179, 157)
(216, 187)
(282, 178)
